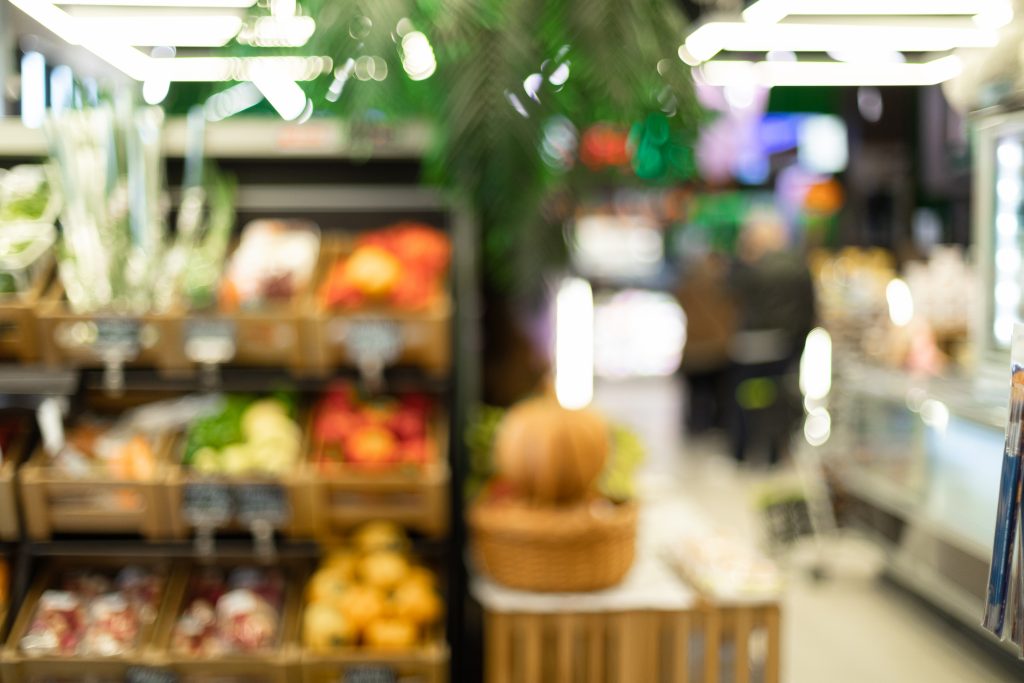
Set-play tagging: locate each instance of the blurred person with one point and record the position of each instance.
(774, 296)
(704, 296)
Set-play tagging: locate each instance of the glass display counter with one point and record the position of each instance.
(918, 462)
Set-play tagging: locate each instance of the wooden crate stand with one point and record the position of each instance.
(425, 335)
(19, 667)
(627, 647)
(415, 497)
(19, 337)
(55, 502)
(280, 665)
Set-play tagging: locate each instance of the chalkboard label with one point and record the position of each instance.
(379, 339)
(369, 674)
(149, 674)
(262, 503)
(120, 335)
(210, 340)
(207, 504)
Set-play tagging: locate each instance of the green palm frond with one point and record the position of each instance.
(621, 57)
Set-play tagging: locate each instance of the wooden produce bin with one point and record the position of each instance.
(297, 488)
(280, 665)
(416, 497)
(273, 336)
(89, 339)
(10, 529)
(19, 335)
(426, 664)
(422, 338)
(20, 667)
(56, 502)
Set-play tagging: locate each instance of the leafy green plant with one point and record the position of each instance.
(511, 77)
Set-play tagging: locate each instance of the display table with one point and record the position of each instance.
(651, 627)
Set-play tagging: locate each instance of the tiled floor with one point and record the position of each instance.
(853, 627)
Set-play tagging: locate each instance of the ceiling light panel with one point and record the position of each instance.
(115, 46)
(737, 36)
(176, 30)
(205, 4)
(770, 74)
(768, 11)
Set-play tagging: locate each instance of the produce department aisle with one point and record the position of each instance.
(853, 628)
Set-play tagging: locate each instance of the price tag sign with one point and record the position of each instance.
(207, 505)
(118, 336)
(369, 674)
(381, 339)
(149, 674)
(267, 503)
(210, 340)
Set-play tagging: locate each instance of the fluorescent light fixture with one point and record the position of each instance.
(203, 4)
(122, 57)
(33, 89)
(737, 36)
(770, 11)
(179, 31)
(868, 55)
(283, 93)
(278, 32)
(213, 69)
(235, 99)
(997, 16)
(831, 73)
(115, 50)
(283, 8)
(574, 343)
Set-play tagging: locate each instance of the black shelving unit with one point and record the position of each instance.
(341, 195)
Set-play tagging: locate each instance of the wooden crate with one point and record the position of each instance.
(55, 502)
(424, 336)
(416, 497)
(19, 667)
(273, 336)
(298, 487)
(19, 336)
(427, 664)
(68, 339)
(278, 666)
(10, 528)
(693, 646)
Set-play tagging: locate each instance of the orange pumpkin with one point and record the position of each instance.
(549, 453)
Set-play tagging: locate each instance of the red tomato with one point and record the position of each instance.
(408, 423)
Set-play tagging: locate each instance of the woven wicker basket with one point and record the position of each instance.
(580, 547)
